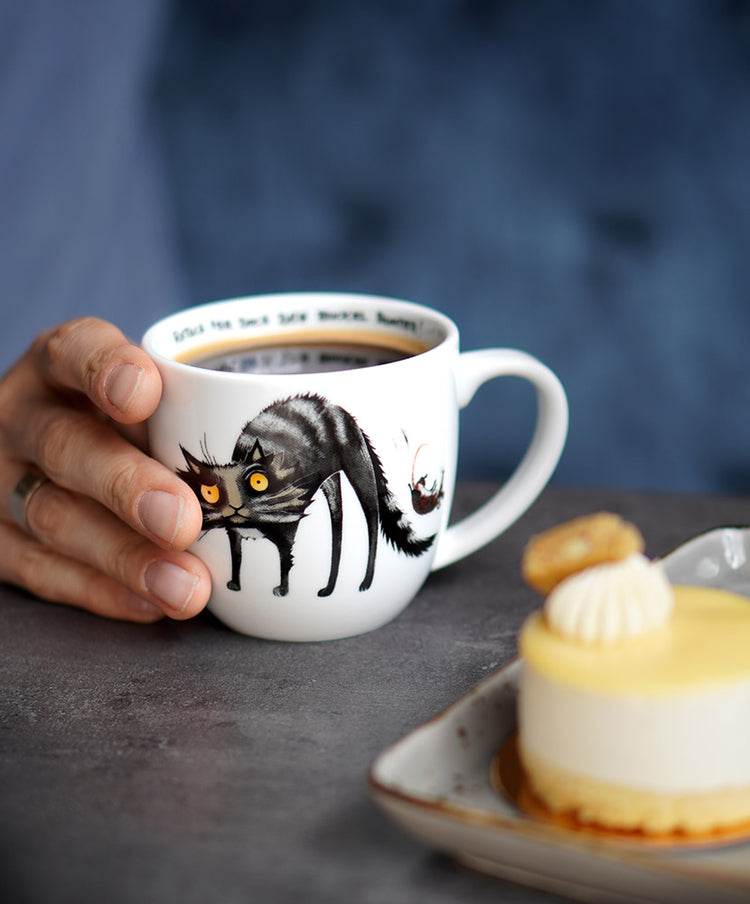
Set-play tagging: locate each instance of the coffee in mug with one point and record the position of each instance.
(319, 433)
(314, 354)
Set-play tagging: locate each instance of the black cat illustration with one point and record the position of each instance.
(283, 456)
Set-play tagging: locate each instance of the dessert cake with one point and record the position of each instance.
(634, 702)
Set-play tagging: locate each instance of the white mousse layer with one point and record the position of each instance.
(676, 744)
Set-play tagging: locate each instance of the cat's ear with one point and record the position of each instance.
(256, 453)
(252, 456)
(192, 462)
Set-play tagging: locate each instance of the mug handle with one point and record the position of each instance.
(535, 468)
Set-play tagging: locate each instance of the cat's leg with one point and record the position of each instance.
(371, 516)
(283, 538)
(332, 490)
(360, 473)
(235, 547)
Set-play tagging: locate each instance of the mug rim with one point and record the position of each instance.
(154, 339)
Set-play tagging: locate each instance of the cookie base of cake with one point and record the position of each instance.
(510, 778)
(632, 809)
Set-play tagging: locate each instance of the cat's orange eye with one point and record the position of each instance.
(258, 482)
(210, 493)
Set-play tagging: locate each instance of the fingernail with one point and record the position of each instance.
(171, 584)
(122, 384)
(161, 513)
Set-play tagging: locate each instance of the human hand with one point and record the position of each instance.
(108, 531)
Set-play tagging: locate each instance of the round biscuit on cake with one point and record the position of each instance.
(571, 547)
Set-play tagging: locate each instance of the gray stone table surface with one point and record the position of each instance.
(183, 762)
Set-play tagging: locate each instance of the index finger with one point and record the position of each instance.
(93, 357)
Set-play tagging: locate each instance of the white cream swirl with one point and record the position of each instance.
(611, 601)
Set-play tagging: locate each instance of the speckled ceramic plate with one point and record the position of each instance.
(436, 783)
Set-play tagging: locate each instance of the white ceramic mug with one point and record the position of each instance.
(345, 477)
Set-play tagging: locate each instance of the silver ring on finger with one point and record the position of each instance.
(22, 493)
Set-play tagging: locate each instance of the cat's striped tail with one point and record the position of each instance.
(394, 525)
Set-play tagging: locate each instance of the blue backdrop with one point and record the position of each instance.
(570, 178)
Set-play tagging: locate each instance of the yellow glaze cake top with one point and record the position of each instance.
(705, 642)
